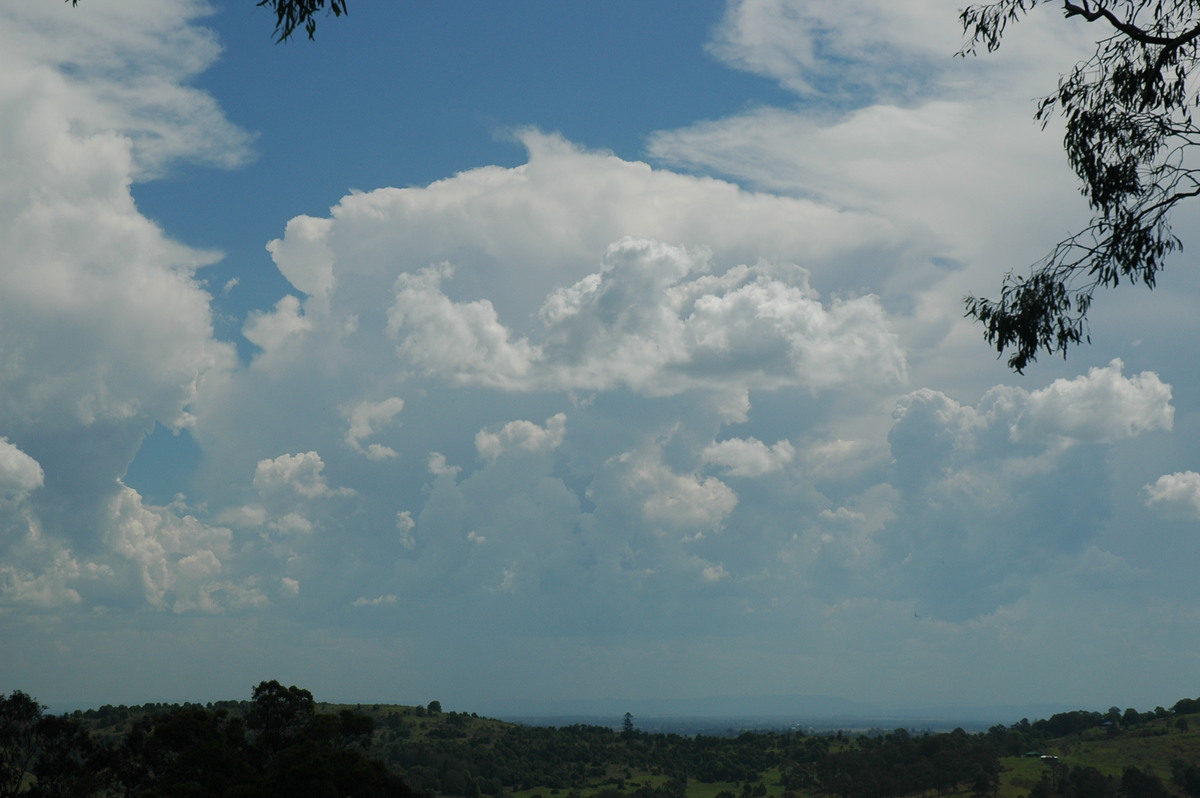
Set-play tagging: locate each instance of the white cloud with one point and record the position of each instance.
(251, 515)
(841, 159)
(641, 322)
(941, 149)
(514, 235)
(871, 49)
(463, 340)
(106, 329)
(1102, 406)
(437, 465)
(991, 494)
(292, 524)
(123, 69)
(179, 560)
(303, 257)
(38, 572)
(674, 501)
(99, 311)
(871, 512)
(508, 582)
(813, 48)
(840, 458)
(102, 319)
(749, 457)
(644, 299)
(522, 435)
(366, 419)
(378, 601)
(908, 166)
(19, 473)
(1175, 494)
(294, 473)
(405, 526)
(278, 331)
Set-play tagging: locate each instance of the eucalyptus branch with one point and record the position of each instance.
(1128, 28)
(1128, 134)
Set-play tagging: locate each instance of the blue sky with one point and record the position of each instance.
(502, 350)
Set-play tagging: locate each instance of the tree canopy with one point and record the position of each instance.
(1128, 113)
(290, 15)
(275, 745)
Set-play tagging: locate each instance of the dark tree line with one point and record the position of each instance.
(465, 756)
(902, 764)
(278, 748)
(478, 760)
(1088, 782)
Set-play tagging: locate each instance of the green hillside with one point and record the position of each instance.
(456, 754)
(1168, 747)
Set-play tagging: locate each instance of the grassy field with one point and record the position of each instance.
(1152, 748)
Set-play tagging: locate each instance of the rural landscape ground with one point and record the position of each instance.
(283, 740)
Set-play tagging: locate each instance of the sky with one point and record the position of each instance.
(545, 350)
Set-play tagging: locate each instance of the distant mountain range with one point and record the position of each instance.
(717, 714)
(761, 711)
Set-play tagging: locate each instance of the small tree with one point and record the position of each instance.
(1136, 783)
(279, 714)
(434, 707)
(627, 726)
(19, 741)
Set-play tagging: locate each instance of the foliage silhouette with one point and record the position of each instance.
(1128, 112)
(273, 746)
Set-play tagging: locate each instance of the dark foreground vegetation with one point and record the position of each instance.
(282, 743)
(275, 745)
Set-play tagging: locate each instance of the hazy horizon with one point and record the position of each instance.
(717, 714)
